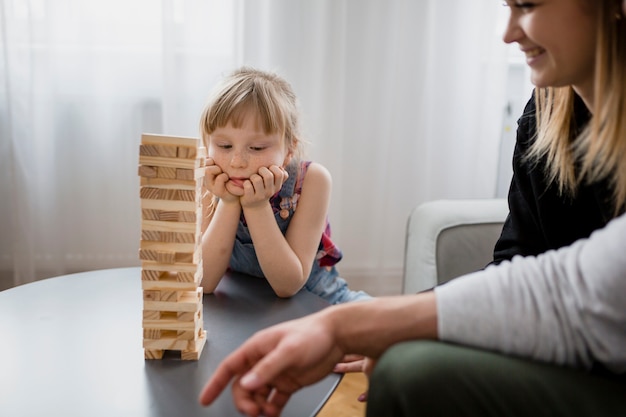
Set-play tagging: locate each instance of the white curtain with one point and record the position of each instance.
(402, 101)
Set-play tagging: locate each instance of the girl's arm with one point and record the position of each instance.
(218, 241)
(286, 260)
(219, 237)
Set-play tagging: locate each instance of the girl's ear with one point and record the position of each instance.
(287, 158)
(291, 147)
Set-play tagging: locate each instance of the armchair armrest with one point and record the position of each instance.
(449, 238)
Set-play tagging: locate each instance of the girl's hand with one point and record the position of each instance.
(263, 185)
(215, 180)
(356, 363)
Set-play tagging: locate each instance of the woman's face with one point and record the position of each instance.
(558, 38)
(241, 152)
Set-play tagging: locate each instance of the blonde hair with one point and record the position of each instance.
(264, 94)
(599, 151)
(248, 91)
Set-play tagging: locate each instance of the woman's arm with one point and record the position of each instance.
(288, 356)
(564, 307)
(286, 261)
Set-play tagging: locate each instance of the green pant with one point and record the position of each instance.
(427, 378)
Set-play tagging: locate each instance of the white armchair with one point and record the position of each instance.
(449, 238)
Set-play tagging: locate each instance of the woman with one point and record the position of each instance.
(569, 167)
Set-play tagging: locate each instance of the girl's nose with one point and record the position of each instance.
(238, 160)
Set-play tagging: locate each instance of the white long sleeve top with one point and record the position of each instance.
(566, 307)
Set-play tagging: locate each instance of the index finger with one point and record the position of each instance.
(234, 364)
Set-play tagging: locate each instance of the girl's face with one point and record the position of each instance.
(558, 38)
(240, 152)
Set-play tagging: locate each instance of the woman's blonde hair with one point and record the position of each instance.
(263, 94)
(599, 150)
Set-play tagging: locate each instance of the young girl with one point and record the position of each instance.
(269, 208)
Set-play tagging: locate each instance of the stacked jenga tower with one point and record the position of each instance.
(172, 173)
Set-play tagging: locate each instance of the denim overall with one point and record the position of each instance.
(323, 280)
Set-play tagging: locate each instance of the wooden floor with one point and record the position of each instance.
(343, 402)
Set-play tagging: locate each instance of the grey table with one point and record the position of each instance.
(71, 346)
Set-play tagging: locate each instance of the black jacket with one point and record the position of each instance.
(540, 218)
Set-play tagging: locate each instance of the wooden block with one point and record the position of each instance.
(181, 184)
(155, 266)
(150, 214)
(159, 161)
(167, 151)
(162, 246)
(156, 139)
(168, 216)
(151, 315)
(172, 306)
(151, 235)
(151, 275)
(188, 195)
(175, 227)
(171, 296)
(151, 193)
(165, 257)
(182, 216)
(166, 172)
(169, 205)
(189, 216)
(152, 333)
(185, 174)
(192, 351)
(189, 257)
(166, 344)
(188, 301)
(152, 295)
(168, 256)
(154, 354)
(187, 152)
(186, 335)
(194, 354)
(169, 324)
(147, 171)
(168, 285)
(186, 277)
(179, 237)
(187, 315)
(184, 257)
(149, 150)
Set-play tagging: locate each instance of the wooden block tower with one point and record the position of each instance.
(172, 174)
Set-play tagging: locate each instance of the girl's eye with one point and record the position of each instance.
(257, 148)
(224, 146)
